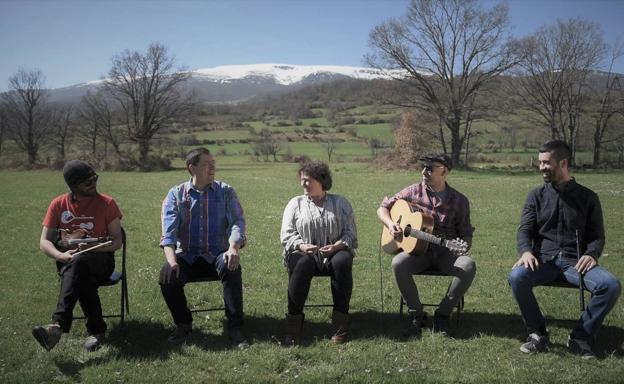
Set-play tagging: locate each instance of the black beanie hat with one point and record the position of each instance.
(77, 171)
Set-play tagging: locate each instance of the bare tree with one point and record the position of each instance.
(448, 50)
(330, 145)
(91, 122)
(148, 89)
(512, 133)
(97, 111)
(27, 111)
(556, 63)
(266, 145)
(62, 119)
(374, 144)
(3, 126)
(611, 103)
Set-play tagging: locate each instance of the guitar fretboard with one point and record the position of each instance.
(426, 237)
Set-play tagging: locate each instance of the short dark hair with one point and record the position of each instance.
(319, 171)
(559, 149)
(192, 158)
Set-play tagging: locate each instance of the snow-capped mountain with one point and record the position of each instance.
(238, 82)
(285, 74)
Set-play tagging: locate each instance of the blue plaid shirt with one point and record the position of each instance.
(202, 223)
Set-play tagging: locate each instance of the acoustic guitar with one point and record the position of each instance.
(417, 229)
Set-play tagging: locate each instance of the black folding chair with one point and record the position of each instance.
(561, 282)
(206, 279)
(119, 277)
(433, 271)
(319, 274)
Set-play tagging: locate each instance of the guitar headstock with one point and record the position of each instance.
(457, 246)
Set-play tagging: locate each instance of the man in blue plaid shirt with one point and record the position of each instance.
(203, 229)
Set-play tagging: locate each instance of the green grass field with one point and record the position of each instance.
(485, 347)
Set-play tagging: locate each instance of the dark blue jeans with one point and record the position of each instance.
(604, 287)
(175, 298)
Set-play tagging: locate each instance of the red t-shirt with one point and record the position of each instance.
(90, 213)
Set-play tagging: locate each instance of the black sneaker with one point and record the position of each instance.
(416, 323)
(441, 325)
(238, 339)
(48, 335)
(535, 343)
(580, 347)
(180, 333)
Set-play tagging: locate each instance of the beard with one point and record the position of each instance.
(547, 176)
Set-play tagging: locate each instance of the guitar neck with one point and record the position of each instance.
(420, 235)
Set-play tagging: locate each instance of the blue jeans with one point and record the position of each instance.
(604, 287)
(174, 296)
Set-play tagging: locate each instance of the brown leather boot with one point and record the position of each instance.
(294, 323)
(340, 324)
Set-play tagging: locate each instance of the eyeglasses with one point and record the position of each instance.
(90, 181)
(429, 167)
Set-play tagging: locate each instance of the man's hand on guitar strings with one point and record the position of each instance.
(396, 231)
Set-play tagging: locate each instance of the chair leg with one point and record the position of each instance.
(460, 308)
(127, 301)
(124, 300)
(122, 308)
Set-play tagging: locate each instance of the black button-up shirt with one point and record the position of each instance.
(551, 217)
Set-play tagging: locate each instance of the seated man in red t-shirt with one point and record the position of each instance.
(80, 213)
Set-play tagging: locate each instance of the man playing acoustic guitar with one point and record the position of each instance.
(450, 214)
(75, 225)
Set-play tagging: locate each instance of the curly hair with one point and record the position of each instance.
(319, 171)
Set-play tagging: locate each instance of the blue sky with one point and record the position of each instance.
(73, 41)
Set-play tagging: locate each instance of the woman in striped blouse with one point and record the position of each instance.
(319, 238)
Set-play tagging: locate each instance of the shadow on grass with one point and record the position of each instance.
(140, 339)
(148, 340)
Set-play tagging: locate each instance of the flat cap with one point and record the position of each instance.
(439, 158)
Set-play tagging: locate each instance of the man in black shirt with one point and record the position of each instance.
(553, 215)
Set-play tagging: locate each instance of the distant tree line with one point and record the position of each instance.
(141, 96)
(459, 65)
(453, 51)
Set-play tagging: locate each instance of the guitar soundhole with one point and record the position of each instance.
(407, 230)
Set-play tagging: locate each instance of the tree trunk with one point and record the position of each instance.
(143, 150)
(32, 155)
(61, 149)
(597, 140)
(456, 143)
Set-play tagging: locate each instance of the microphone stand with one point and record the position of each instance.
(581, 284)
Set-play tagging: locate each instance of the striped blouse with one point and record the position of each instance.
(306, 223)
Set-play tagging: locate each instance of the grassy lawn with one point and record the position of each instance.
(485, 347)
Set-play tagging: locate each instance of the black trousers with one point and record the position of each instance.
(302, 268)
(173, 292)
(80, 279)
